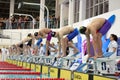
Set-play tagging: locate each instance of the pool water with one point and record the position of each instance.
(23, 76)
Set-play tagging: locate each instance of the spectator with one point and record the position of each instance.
(41, 50)
(112, 47)
(4, 53)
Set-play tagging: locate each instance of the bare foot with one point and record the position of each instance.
(89, 56)
(63, 55)
(75, 51)
(46, 54)
(98, 56)
(58, 56)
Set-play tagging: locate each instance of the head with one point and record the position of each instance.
(41, 44)
(82, 29)
(113, 37)
(29, 35)
(36, 35)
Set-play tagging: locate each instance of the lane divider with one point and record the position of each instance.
(33, 79)
(21, 73)
(20, 69)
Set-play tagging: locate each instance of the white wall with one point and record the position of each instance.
(63, 14)
(82, 10)
(114, 5)
(17, 35)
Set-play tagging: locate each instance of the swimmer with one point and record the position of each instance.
(93, 29)
(48, 34)
(64, 42)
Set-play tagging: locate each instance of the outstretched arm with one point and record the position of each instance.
(25, 40)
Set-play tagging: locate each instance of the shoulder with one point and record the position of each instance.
(114, 43)
(99, 19)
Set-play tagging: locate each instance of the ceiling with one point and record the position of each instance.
(26, 9)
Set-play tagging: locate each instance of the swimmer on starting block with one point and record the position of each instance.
(93, 29)
(48, 34)
(29, 40)
(65, 42)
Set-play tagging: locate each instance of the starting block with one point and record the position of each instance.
(106, 64)
(45, 60)
(65, 62)
(86, 67)
(49, 60)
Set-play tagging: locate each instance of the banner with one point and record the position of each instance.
(38, 68)
(28, 65)
(54, 72)
(18, 64)
(24, 64)
(44, 69)
(66, 74)
(80, 76)
(21, 63)
(33, 66)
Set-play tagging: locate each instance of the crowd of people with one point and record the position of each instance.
(25, 22)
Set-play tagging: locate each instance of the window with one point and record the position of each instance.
(106, 5)
(96, 7)
(101, 8)
(96, 11)
(76, 10)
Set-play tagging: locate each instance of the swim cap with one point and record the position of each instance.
(82, 29)
(36, 34)
(29, 35)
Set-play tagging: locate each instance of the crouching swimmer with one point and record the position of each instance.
(94, 29)
(48, 34)
(63, 41)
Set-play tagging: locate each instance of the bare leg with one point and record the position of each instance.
(47, 47)
(64, 46)
(100, 45)
(95, 46)
(72, 45)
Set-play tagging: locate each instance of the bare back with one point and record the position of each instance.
(96, 24)
(93, 28)
(43, 32)
(65, 30)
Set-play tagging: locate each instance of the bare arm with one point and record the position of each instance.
(53, 46)
(53, 50)
(25, 40)
(59, 47)
(114, 49)
(88, 44)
